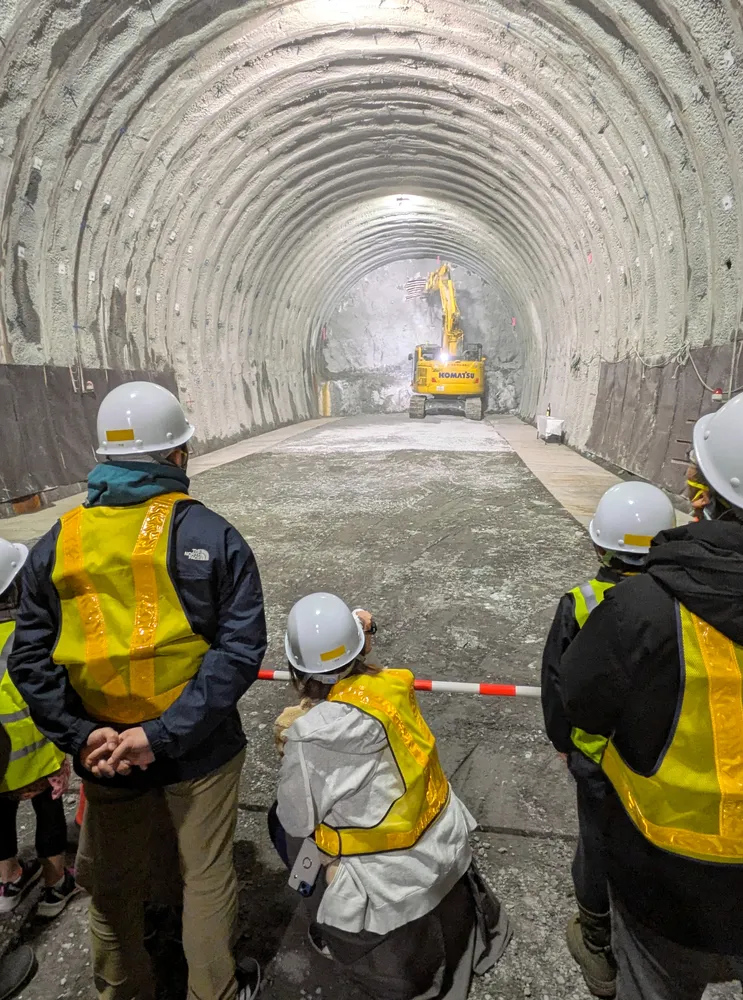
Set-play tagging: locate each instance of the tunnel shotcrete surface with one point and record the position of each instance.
(192, 188)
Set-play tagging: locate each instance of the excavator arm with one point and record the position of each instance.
(452, 334)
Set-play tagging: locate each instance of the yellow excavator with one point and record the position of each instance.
(452, 370)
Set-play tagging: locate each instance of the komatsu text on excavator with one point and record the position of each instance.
(452, 370)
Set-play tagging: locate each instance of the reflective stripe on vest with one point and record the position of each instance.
(32, 756)
(587, 598)
(390, 697)
(124, 637)
(692, 804)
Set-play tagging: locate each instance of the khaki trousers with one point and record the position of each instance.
(127, 835)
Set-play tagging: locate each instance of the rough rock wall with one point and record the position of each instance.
(375, 328)
(197, 184)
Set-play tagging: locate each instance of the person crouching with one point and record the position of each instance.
(364, 812)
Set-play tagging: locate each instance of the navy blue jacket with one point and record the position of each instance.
(223, 601)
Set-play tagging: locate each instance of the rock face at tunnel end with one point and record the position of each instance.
(194, 189)
(368, 340)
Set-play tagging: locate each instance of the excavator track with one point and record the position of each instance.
(473, 408)
(417, 408)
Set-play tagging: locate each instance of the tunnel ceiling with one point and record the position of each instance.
(196, 184)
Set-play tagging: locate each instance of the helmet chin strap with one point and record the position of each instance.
(331, 679)
(720, 510)
(328, 679)
(628, 558)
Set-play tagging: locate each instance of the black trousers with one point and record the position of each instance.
(51, 826)
(589, 865)
(430, 958)
(650, 967)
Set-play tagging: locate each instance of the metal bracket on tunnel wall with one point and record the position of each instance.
(325, 403)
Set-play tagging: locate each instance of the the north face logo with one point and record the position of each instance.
(198, 555)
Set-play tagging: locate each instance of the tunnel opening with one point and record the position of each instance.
(194, 195)
(370, 337)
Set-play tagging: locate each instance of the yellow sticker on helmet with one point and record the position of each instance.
(126, 435)
(332, 654)
(643, 540)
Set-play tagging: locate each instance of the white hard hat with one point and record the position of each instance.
(12, 557)
(718, 449)
(141, 417)
(629, 516)
(323, 635)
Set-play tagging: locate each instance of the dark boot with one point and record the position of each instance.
(17, 968)
(589, 941)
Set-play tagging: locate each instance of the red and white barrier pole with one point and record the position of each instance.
(453, 687)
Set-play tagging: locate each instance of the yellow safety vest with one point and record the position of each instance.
(390, 697)
(587, 598)
(692, 803)
(32, 756)
(124, 637)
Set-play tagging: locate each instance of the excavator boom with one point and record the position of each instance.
(452, 333)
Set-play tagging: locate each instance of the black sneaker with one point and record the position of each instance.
(11, 893)
(248, 978)
(318, 941)
(55, 897)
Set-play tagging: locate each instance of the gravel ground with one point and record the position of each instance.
(462, 555)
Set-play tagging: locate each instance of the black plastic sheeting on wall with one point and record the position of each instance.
(644, 417)
(48, 424)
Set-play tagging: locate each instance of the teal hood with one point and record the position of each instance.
(121, 484)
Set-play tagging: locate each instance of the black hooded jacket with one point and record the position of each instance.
(621, 676)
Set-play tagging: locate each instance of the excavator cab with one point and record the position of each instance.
(472, 352)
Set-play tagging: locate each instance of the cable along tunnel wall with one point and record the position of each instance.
(196, 187)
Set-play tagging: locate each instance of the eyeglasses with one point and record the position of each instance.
(700, 488)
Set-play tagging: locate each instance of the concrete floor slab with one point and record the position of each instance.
(576, 483)
(462, 556)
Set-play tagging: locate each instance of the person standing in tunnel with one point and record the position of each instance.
(627, 518)
(658, 670)
(140, 627)
(36, 770)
